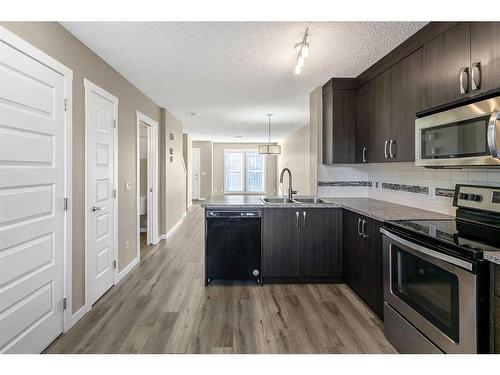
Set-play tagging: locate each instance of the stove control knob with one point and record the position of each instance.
(463, 196)
(475, 198)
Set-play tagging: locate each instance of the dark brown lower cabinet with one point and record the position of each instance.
(362, 258)
(280, 243)
(319, 243)
(300, 244)
(495, 310)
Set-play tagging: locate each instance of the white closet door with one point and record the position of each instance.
(32, 136)
(100, 109)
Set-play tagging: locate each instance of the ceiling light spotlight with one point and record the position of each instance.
(302, 49)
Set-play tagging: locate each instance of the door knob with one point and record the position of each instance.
(97, 208)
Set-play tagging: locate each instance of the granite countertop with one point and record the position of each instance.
(492, 256)
(375, 209)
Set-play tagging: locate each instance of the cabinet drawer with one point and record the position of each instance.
(497, 280)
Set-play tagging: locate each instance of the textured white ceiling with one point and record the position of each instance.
(230, 74)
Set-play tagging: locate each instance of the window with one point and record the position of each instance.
(244, 171)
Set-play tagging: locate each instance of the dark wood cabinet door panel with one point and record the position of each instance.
(352, 249)
(373, 274)
(485, 50)
(443, 58)
(344, 126)
(406, 101)
(319, 243)
(364, 114)
(380, 125)
(280, 243)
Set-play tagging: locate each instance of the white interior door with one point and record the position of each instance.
(195, 189)
(32, 189)
(100, 119)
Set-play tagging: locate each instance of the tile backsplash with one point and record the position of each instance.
(402, 183)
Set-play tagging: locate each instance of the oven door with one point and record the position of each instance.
(433, 291)
(467, 135)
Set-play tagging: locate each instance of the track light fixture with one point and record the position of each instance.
(302, 49)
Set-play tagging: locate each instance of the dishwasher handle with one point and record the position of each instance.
(233, 214)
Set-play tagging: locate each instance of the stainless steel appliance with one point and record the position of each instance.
(436, 282)
(465, 136)
(232, 246)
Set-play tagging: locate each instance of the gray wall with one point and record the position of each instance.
(206, 154)
(175, 202)
(58, 43)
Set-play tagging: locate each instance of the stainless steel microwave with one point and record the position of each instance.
(466, 136)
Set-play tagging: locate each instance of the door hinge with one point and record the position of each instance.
(65, 104)
(114, 123)
(65, 303)
(114, 264)
(114, 193)
(65, 204)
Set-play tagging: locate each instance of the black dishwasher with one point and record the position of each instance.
(232, 246)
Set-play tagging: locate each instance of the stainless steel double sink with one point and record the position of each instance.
(284, 200)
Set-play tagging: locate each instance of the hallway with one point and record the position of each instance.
(163, 307)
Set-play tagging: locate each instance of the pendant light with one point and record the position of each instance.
(269, 149)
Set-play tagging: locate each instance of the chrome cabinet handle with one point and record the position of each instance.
(297, 215)
(97, 208)
(392, 154)
(363, 229)
(494, 134)
(359, 227)
(476, 75)
(364, 154)
(385, 149)
(464, 80)
(304, 213)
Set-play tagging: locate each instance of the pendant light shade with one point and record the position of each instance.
(269, 149)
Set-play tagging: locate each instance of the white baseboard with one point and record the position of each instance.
(163, 237)
(126, 270)
(176, 226)
(76, 317)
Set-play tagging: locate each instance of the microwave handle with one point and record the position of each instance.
(494, 134)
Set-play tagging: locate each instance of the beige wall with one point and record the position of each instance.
(175, 202)
(218, 166)
(206, 181)
(54, 40)
(295, 156)
(187, 156)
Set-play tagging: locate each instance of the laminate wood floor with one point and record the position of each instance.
(162, 306)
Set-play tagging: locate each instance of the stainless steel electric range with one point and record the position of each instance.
(436, 282)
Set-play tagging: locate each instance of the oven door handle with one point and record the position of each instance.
(494, 134)
(424, 250)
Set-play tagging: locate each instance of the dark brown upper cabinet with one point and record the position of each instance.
(446, 66)
(380, 123)
(485, 56)
(339, 121)
(406, 101)
(364, 114)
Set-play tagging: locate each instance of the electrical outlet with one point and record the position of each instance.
(127, 185)
(432, 192)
